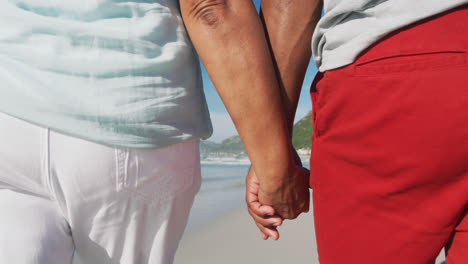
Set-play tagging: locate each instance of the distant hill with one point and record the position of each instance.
(233, 146)
(302, 132)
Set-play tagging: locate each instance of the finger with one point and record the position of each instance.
(252, 189)
(251, 198)
(263, 231)
(265, 236)
(270, 221)
(269, 232)
(261, 210)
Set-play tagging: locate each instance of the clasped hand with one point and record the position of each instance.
(269, 204)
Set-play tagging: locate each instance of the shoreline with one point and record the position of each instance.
(233, 161)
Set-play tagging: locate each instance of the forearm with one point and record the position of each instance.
(289, 25)
(231, 43)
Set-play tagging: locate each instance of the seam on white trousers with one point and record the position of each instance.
(48, 182)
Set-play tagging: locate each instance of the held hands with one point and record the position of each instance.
(270, 203)
(263, 215)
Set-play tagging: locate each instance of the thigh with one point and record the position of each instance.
(32, 230)
(124, 205)
(23, 155)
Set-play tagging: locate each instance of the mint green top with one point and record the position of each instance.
(121, 73)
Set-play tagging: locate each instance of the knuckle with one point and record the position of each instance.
(293, 214)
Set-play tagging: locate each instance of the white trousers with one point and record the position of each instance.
(67, 200)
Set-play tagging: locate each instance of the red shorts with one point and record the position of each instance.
(389, 164)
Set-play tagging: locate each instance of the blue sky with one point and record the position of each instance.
(222, 124)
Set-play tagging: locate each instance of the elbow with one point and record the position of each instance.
(208, 12)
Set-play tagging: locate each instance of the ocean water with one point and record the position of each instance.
(222, 190)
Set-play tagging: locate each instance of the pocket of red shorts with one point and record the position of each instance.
(412, 62)
(314, 94)
(314, 97)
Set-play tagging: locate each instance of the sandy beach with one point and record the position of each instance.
(234, 238)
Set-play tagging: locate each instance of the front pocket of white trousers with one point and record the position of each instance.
(156, 175)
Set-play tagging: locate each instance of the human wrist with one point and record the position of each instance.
(274, 177)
